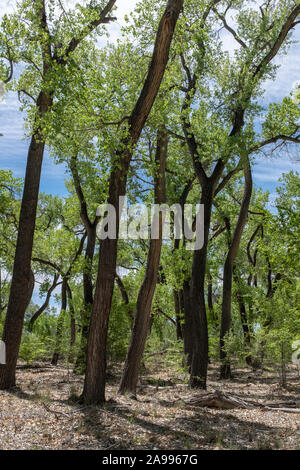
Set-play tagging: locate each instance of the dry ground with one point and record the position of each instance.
(42, 413)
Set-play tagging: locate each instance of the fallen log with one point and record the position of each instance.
(217, 399)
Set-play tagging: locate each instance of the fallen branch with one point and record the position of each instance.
(285, 404)
(217, 399)
(55, 412)
(286, 410)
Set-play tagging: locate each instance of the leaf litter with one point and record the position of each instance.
(43, 412)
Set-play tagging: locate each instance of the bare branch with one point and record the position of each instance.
(272, 140)
(43, 307)
(75, 41)
(27, 94)
(227, 178)
(229, 29)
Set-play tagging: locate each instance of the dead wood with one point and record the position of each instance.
(217, 399)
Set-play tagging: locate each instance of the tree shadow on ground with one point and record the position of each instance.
(122, 424)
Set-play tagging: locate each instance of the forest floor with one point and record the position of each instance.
(42, 413)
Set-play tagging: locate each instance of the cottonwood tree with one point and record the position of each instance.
(281, 126)
(10, 190)
(93, 101)
(258, 45)
(42, 36)
(95, 378)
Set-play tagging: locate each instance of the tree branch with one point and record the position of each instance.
(288, 25)
(122, 289)
(272, 140)
(36, 315)
(227, 178)
(230, 30)
(75, 41)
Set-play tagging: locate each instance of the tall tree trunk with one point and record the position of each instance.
(225, 371)
(196, 305)
(21, 277)
(187, 325)
(209, 292)
(272, 287)
(283, 380)
(60, 323)
(132, 364)
(87, 272)
(244, 320)
(72, 324)
(94, 385)
(87, 299)
(198, 318)
(1, 299)
(210, 301)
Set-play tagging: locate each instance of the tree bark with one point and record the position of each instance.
(225, 371)
(244, 320)
(187, 325)
(87, 272)
(1, 302)
(132, 364)
(88, 299)
(210, 300)
(60, 323)
(181, 295)
(21, 279)
(198, 318)
(72, 324)
(94, 385)
(125, 298)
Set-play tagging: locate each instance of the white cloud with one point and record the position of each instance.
(288, 73)
(7, 6)
(270, 170)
